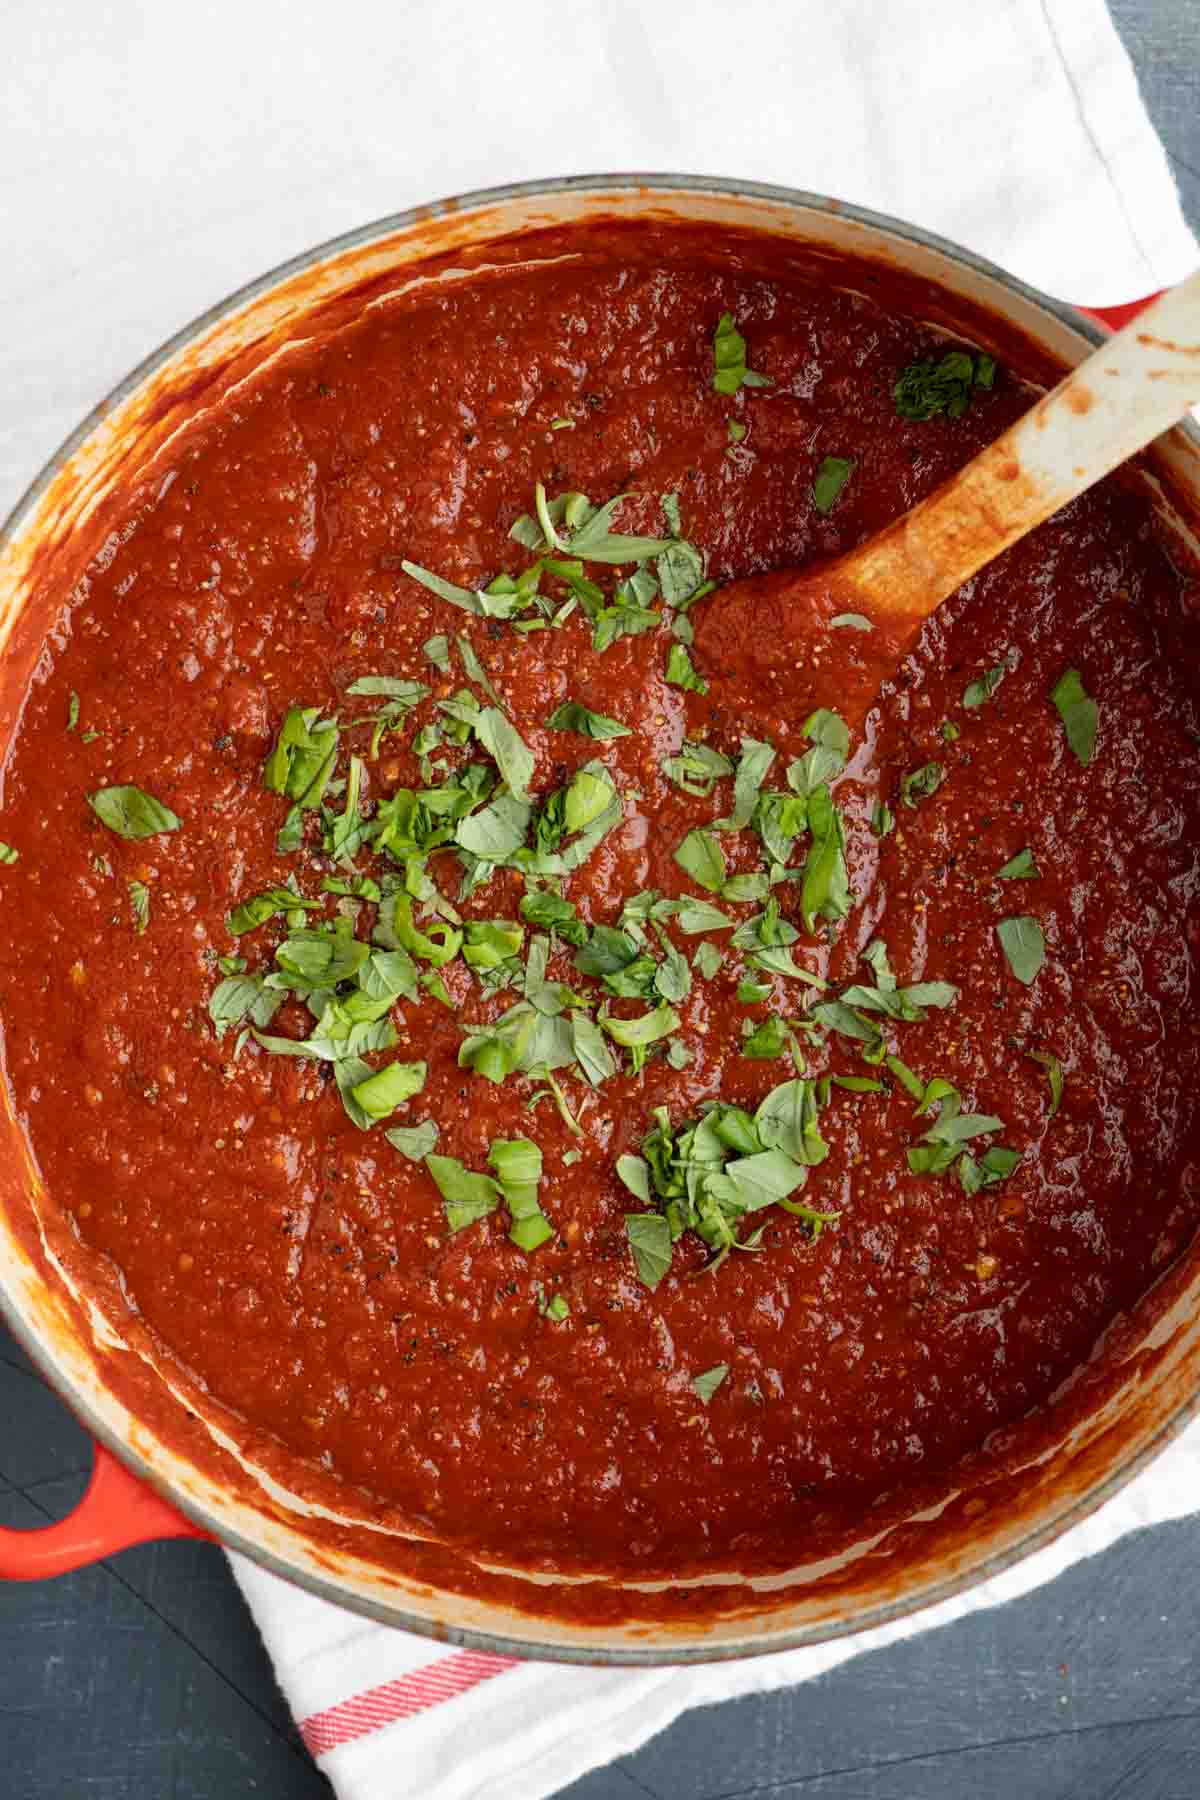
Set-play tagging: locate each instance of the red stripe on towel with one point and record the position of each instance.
(399, 1699)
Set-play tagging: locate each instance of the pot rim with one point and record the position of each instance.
(795, 1637)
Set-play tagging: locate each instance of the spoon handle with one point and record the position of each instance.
(1136, 385)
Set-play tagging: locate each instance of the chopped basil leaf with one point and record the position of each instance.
(467, 598)
(437, 649)
(634, 1171)
(518, 1166)
(648, 1029)
(8, 855)
(413, 1141)
(825, 886)
(831, 478)
(787, 1120)
(1020, 867)
(1054, 1075)
(553, 914)
(920, 783)
(1079, 713)
(736, 431)
(589, 794)
(707, 960)
(256, 911)
(491, 942)
(132, 813)
(73, 711)
(995, 1165)
(240, 997)
(468, 1196)
(837, 1016)
(301, 763)
(591, 1052)
(767, 1041)
(729, 360)
(508, 750)
(592, 538)
(951, 732)
(751, 993)
(911, 1083)
(139, 897)
(753, 1182)
(696, 768)
(673, 977)
(707, 1384)
(571, 716)
(680, 672)
(982, 689)
(650, 1240)
(497, 830)
(752, 767)
(406, 694)
(701, 915)
(741, 889)
(852, 622)
(475, 670)
(701, 857)
(389, 1087)
(928, 388)
(859, 1084)
(830, 738)
(556, 1309)
(883, 819)
(1023, 943)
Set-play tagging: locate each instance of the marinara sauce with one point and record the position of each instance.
(543, 1403)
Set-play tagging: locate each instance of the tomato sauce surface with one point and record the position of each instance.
(300, 1267)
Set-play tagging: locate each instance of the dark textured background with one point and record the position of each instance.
(143, 1679)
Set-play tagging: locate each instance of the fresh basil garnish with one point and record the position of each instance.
(831, 478)
(985, 686)
(650, 1241)
(1079, 713)
(701, 856)
(571, 716)
(706, 1385)
(696, 769)
(920, 783)
(680, 672)
(415, 1142)
(753, 766)
(927, 388)
(1020, 867)
(139, 899)
(132, 813)
(707, 959)
(1054, 1075)
(729, 360)
(1024, 944)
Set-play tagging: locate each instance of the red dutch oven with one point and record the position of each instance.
(167, 1464)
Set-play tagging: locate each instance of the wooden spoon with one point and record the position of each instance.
(1136, 385)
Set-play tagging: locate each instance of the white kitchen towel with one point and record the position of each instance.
(156, 157)
(193, 148)
(390, 1716)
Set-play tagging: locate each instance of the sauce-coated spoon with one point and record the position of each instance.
(1136, 385)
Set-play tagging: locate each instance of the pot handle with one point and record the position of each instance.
(1116, 316)
(116, 1511)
